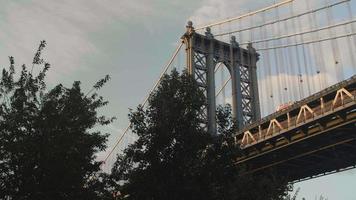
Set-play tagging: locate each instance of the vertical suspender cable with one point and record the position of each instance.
(268, 77)
(284, 87)
(290, 68)
(321, 72)
(262, 76)
(276, 67)
(352, 39)
(306, 67)
(335, 48)
(315, 52)
(299, 76)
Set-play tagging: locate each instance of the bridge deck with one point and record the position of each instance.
(312, 137)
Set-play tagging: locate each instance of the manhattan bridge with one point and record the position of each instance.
(288, 70)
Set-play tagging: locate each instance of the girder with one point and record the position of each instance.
(316, 135)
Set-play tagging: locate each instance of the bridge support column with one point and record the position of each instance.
(254, 84)
(210, 75)
(189, 44)
(236, 85)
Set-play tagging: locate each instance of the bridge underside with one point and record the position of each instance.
(323, 145)
(319, 155)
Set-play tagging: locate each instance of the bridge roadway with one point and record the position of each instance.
(310, 138)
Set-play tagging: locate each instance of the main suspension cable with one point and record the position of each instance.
(244, 15)
(284, 19)
(308, 42)
(302, 33)
(147, 97)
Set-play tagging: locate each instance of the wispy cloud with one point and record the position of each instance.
(65, 24)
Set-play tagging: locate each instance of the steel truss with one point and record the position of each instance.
(313, 137)
(204, 53)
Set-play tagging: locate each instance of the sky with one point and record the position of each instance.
(128, 39)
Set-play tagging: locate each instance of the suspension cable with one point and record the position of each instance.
(315, 52)
(269, 69)
(299, 76)
(276, 65)
(303, 32)
(223, 87)
(245, 15)
(290, 68)
(217, 67)
(353, 63)
(263, 76)
(284, 19)
(284, 86)
(147, 97)
(352, 39)
(321, 73)
(305, 58)
(334, 47)
(308, 42)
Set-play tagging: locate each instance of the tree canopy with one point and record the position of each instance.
(47, 143)
(174, 157)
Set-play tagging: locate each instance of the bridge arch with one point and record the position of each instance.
(223, 87)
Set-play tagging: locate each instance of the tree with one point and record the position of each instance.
(175, 158)
(47, 145)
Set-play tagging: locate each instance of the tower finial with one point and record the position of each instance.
(250, 48)
(208, 33)
(233, 41)
(190, 27)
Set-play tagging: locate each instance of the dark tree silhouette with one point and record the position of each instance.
(47, 145)
(174, 156)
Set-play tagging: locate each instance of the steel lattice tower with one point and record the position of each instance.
(203, 53)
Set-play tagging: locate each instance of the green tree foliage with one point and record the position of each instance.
(175, 158)
(47, 144)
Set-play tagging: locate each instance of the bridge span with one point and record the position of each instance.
(279, 53)
(310, 138)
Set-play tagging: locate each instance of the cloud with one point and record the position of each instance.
(66, 25)
(212, 11)
(70, 29)
(215, 10)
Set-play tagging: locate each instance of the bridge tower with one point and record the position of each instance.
(204, 53)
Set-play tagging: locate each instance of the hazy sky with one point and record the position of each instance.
(128, 39)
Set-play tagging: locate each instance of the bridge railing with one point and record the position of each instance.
(300, 113)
